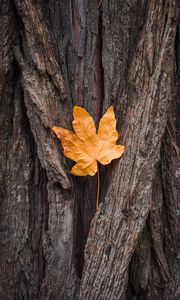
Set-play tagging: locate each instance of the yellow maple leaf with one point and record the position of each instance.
(85, 146)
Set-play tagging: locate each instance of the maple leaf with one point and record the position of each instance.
(85, 146)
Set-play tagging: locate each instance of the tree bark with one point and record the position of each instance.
(53, 243)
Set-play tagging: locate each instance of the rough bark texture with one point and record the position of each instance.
(57, 54)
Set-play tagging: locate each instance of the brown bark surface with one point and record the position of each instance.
(57, 54)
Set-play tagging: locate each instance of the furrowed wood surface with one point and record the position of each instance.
(116, 228)
(56, 54)
(46, 101)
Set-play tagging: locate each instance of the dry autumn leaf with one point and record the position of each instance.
(85, 146)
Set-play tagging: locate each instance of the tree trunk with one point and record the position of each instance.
(57, 54)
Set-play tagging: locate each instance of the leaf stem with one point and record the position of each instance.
(98, 190)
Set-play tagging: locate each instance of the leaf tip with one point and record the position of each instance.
(55, 128)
